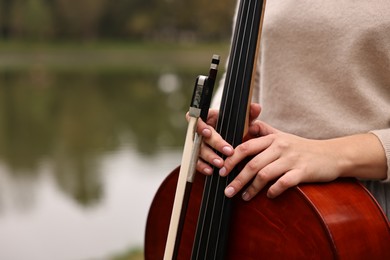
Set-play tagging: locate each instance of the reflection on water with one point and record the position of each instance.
(80, 158)
(57, 227)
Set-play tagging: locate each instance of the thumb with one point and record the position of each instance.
(254, 111)
(259, 128)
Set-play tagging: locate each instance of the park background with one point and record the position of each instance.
(92, 101)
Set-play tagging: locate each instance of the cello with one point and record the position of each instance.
(335, 220)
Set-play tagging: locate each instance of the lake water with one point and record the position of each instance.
(82, 155)
(44, 223)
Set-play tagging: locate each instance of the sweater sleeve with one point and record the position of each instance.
(384, 137)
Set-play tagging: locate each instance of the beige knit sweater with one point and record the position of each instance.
(324, 71)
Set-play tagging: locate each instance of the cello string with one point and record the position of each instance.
(241, 55)
(241, 100)
(222, 117)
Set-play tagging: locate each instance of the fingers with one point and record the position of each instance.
(259, 128)
(262, 177)
(252, 170)
(203, 167)
(208, 158)
(212, 142)
(269, 164)
(212, 117)
(254, 111)
(288, 180)
(212, 138)
(278, 168)
(245, 150)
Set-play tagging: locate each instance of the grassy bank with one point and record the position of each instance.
(139, 57)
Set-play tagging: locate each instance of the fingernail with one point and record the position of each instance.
(222, 171)
(227, 150)
(245, 196)
(217, 162)
(206, 132)
(207, 171)
(229, 191)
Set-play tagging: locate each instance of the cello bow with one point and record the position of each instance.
(200, 103)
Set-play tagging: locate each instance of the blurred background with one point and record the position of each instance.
(93, 95)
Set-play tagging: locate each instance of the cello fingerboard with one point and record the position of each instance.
(213, 222)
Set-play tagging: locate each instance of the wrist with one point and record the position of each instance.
(361, 156)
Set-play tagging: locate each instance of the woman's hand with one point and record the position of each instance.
(212, 140)
(290, 160)
(286, 159)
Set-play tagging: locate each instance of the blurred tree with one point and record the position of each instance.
(38, 19)
(80, 19)
(185, 20)
(215, 21)
(26, 19)
(5, 6)
(123, 19)
(114, 19)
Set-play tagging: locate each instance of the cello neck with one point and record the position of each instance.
(213, 222)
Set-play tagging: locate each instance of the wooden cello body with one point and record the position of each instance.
(337, 220)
